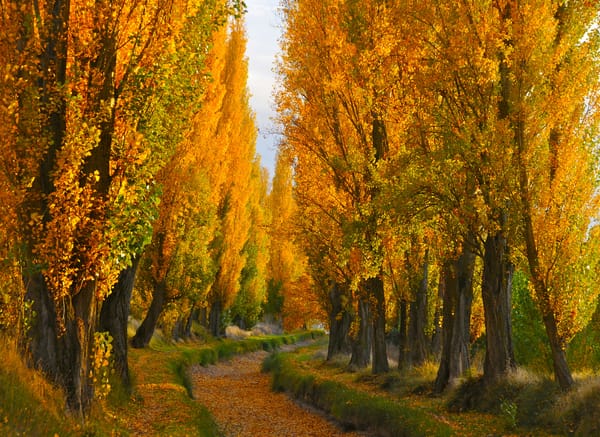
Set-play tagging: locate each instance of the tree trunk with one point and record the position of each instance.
(42, 338)
(144, 333)
(190, 320)
(114, 316)
(339, 323)
(63, 355)
(562, 373)
(418, 321)
(361, 344)
(182, 330)
(496, 290)
(214, 319)
(402, 335)
(76, 346)
(436, 338)
(458, 296)
(380, 360)
(203, 316)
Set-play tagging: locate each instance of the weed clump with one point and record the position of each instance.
(526, 400)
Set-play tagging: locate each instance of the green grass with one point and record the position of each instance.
(29, 404)
(353, 408)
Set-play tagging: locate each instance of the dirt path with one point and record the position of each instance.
(240, 399)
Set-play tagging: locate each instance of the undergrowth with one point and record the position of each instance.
(532, 402)
(354, 409)
(29, 405)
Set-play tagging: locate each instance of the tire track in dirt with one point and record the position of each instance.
(239, 397)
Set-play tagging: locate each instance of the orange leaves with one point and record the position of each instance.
(239, 397)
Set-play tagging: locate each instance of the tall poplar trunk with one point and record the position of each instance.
(63, 355)
(42, 338)
(361, 343)
(418, 320)
(496, 290)
(183, 327)
(402, 335)
(562, 373)
(497, 270)
(214, 318)
(114, 317)
(76, 346)
(144, 333)
(339, 323)
(458, 297)
(436, 338)
(380, 360)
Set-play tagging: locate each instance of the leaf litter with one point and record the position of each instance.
(239, 397)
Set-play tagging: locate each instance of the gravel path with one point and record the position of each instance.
(240, 399)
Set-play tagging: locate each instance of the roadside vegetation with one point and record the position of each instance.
(402, 403)
(159, 401)
(434, 206)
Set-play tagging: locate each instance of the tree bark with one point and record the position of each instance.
(496, 289)
(144, 333)
(562, 373)
(361, 344)
(458, 296)
(214, 319)
(42, 338)
(114, 316)
(189, 321)
(418, 321)
(436, 338)
(339, 323)
(380, 360)
(75, 350)
(182, 330)
(402, 335)
(63, 355)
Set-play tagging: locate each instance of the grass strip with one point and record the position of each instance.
(29, 405)
(379, 415)
(224, 348)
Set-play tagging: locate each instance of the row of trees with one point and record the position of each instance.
(128, 156)
(450, 140)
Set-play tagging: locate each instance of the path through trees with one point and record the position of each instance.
(239, 397)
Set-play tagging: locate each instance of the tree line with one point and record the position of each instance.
(449, 145)
(129, 181)
(432, 155)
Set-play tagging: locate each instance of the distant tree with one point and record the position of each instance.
(246, 308)
(236, 133)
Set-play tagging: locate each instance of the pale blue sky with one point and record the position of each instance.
(263, 36)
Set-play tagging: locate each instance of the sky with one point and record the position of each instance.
(263, 36)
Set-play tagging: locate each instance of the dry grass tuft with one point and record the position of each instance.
(28, 402)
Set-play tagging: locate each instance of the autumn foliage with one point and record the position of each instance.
(429, 154)
(472, 123)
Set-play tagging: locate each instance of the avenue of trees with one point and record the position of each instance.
(444, 145)
(128, 157)
(434, 158)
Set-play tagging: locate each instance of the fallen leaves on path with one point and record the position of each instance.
(159, 406)
(240, 399)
